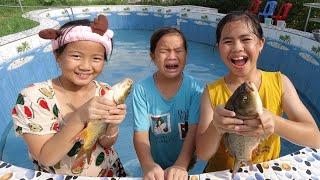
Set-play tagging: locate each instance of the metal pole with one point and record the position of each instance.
(21, 6)
(72, 13)
(307, 20)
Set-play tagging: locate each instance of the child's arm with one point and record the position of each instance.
(179, 169)
(301, 129)
(213, 123)
(151, 170)
(51, 148)
(111, 135)
(141, 126)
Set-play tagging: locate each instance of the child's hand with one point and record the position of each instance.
(116, 114)
(176, 172)
(262, 126)
(153, 172)
(224, 120)
(97, 108)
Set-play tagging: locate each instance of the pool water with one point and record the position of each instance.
(130, 58)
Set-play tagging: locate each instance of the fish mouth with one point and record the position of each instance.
(239, 61)
(250, 87)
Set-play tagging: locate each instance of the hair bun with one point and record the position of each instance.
(100, 25)
(49, 34)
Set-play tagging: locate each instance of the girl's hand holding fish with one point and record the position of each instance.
(224, 121)
(97, 108)
(116, 114)
(264, 125)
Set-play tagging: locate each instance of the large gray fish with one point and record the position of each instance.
(246, 103)
(95, 129)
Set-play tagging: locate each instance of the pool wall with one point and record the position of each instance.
(197, 23)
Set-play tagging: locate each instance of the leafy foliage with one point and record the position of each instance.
(296, 19)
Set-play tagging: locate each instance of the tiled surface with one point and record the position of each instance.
(303, 164)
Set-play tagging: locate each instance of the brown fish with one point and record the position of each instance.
(246, 103)
(95, 129)
(6, 176)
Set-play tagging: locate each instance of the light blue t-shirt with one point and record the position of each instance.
(166, 120)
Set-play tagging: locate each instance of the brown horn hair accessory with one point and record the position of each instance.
(49, 34)
(100, 25)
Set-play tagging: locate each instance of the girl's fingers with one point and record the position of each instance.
(117, 112)
(259, 131)
(115, 117)
(244, 128)
(230, 129)
(224, 112)
(112, 121)
(252, 122)
(231, 121)
(251, 133)
(95, 114)
(122, 106)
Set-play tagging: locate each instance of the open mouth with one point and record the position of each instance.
(82, 76)
(172, 67)
(239, 61)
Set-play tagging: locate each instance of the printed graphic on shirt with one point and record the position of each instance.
(183, 129)
(160, 124)
(183, 125)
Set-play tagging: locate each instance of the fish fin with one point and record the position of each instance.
(249, 163)
(264, 136)
(254, 151)
(80, 153)
(225, 140)
(227, 144)
(236, 167)
(78, 164)
(88, 154)
(81, 135)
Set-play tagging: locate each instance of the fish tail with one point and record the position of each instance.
(78, 163)
(249, 163)
(264, 135)
(236, 167)
(88, 154)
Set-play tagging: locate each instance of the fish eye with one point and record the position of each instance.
(244, 98)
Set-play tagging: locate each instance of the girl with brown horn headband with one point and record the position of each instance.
(50, 114)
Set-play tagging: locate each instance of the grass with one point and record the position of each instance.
(11, 21)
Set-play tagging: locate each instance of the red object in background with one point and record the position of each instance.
(283, 12)
(254, 6)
